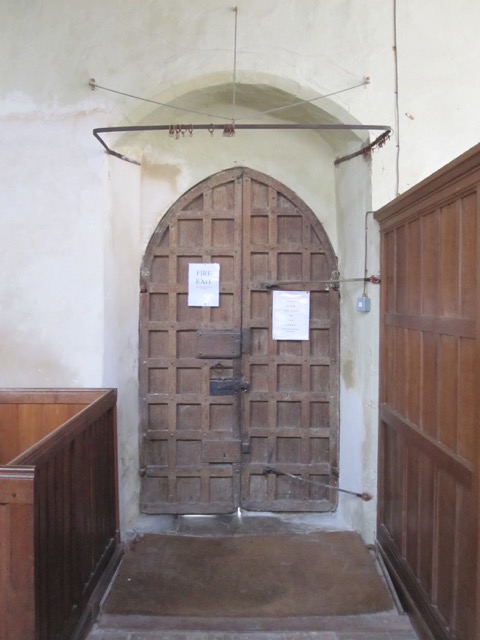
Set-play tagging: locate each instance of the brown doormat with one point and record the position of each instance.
(319, 574)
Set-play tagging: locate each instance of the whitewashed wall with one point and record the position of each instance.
(75, 222)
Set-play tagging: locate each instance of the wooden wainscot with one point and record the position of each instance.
(59, 534)
(429, 469)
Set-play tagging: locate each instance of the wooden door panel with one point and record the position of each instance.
(228, 414)
(290, 413)
(191, 438)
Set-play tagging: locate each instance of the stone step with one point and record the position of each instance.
(98, 633)
(385, 626)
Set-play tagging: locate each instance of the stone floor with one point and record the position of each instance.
(393, 626)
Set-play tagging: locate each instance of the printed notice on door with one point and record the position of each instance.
(204, 285)
(290, 315)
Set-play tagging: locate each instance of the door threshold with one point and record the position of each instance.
(240, 522)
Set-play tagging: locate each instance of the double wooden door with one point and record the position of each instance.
(231, 417)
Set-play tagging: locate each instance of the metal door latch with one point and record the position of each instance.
(227, 386)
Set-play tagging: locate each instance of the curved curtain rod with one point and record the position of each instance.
(229, 131)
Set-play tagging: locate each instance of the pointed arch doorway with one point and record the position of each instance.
(230, 416)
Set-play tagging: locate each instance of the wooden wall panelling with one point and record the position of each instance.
(17, 587)
(58, 515)
(429, 404)
(9, 445)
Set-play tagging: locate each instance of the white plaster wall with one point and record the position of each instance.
(438, 53)
(75, 223)
(51, 253)
(123, 254)
(358, 345)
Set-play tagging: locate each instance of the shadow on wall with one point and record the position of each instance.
(26, 362)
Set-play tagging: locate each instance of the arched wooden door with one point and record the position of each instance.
(230, 416)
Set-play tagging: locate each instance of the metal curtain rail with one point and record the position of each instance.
(229, 130)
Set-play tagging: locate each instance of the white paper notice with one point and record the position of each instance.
(291, 315)
(204, 285)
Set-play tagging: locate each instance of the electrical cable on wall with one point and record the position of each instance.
(234, 79)
(397, 107)
(365, 267)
